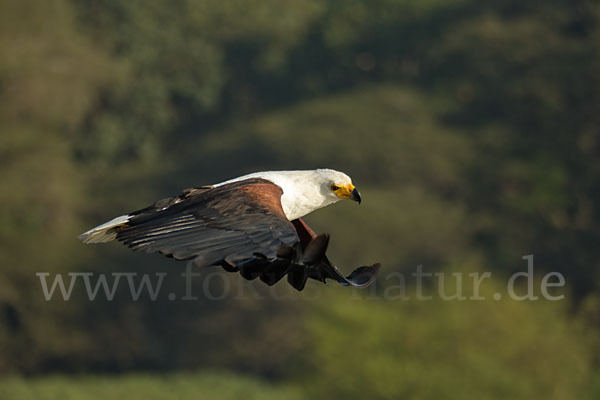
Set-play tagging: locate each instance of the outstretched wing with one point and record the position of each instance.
(240, 226)
(232, 223)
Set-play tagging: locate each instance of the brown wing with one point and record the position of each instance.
(240, 226)
(169, 201)
(232, 223)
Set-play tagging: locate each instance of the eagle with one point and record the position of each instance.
(251, 224)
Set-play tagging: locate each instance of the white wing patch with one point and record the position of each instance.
(105, 232)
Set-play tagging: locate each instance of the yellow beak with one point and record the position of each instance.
(348, 192)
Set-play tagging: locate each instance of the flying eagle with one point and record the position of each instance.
(251, 224)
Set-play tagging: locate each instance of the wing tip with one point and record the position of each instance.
(105, 232)
(94, 237)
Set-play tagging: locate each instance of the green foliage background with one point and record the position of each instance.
(471, 128)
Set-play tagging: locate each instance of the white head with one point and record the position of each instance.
(307, 191)
(336, 185)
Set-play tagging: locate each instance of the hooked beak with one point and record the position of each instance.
(348, 192)
(355, 195)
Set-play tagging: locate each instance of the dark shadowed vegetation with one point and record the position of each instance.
(471, 128)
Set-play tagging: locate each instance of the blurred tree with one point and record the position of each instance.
(384, 349)
(471, 125)
(523, 81)
(187, 61)
(50, 76)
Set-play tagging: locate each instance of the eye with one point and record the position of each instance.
(334, 187)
